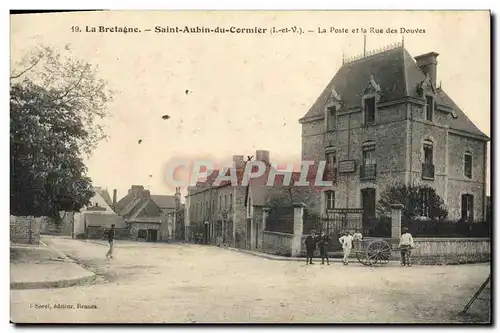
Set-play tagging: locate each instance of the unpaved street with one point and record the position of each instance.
(175, 283)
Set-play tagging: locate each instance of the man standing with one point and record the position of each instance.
(346, 242)
(310, 247)
(111, 241)
(323, 247)
(406, 244)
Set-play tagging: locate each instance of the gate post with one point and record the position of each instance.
(298, 227)
(396, 210)
(265, 213)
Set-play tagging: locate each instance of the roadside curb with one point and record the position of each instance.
(87, 241)
(53, 284)
(278, 258)
(89, 277)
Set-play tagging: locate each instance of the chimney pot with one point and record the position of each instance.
(262, 155)
(114, 196)
(428, 65)
(238, 161)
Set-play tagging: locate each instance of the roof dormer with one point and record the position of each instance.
(332, 106)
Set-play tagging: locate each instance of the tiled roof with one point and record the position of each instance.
(398, 76)
(123, 202)
(104, 220)
(164, 201)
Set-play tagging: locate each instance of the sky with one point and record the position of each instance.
(246, 92)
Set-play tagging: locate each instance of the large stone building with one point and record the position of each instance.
(382, 119)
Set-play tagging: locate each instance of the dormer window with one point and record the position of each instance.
(371, 95)
(331, 113)
(370, 110)
(429, 107)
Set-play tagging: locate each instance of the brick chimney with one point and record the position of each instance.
(114, 197)
(177, 198)
(428, 64)
(239, 161)
(136, 190)
(262, 155)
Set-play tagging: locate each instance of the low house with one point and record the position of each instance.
(96, 226)
(142, 215)
(99, 204)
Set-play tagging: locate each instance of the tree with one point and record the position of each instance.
(55, 105)
(414, 201)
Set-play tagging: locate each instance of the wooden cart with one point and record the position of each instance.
(373, 251)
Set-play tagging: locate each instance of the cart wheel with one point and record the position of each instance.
(379, 252)
(363, 258)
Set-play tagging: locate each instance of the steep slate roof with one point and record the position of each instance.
(398, 76)
(164, 201)
(137, 205)
(104, 220)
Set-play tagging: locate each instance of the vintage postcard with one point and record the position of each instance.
(250, 167)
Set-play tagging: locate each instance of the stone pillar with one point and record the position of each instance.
(265, 213)
(298, 226)
(252, 233)
(396, 210)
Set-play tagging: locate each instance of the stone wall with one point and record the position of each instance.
(441, 251)
(26, 229)
(277, 243)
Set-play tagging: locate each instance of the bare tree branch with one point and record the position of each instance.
(27, 69)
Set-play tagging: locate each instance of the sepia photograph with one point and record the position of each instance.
(250, 167)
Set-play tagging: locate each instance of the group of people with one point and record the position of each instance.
(348, 240)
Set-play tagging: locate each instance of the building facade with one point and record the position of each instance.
(142, 215)
(382, 120)
(100, 204)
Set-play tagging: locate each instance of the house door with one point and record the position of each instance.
(368, 204)
(152, 235)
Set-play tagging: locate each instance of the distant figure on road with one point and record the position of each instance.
(346, 242)
(405, 245)
(310, 247)
(323, 241)
(111, 241)
(356, 239)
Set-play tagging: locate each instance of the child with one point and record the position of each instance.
(346, 242)
(323, 247)
(406, 244)
(356, 239)
(310, 247)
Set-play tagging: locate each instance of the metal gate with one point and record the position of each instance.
(333, 222)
